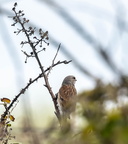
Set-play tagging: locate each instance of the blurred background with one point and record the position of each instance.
(93, 34)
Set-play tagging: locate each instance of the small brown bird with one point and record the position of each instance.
(67, 96)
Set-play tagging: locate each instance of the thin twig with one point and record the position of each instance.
(56, 54)
(53, 61)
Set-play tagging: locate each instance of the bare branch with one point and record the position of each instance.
(56, 54)
(53, 61)
(23, 90)
(18, 18)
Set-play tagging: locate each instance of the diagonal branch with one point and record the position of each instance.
(23, 90)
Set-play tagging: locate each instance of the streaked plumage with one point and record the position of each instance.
(67, 96)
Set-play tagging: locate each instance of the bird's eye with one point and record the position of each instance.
(74, 78)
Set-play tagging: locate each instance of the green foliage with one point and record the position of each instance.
(98, 125)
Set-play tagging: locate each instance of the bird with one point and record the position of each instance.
(66, 97)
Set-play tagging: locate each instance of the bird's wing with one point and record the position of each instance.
(67, 96)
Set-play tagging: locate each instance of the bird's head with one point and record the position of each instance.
(69, 80)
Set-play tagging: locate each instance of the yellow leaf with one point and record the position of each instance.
(6, 100)
(9, 125)
(11, 118)
(5, 117)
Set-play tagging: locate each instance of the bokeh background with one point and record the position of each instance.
(93, 34)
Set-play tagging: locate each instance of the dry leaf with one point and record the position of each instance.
(11, 118)
(6, 100)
